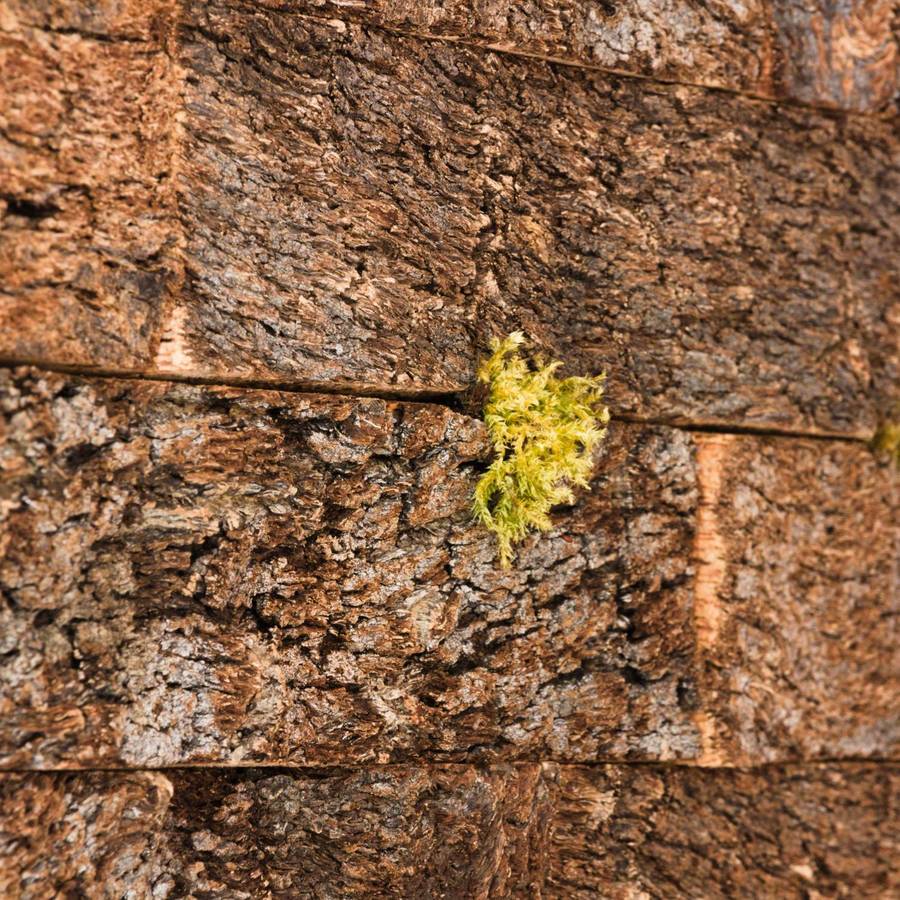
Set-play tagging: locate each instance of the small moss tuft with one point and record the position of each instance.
(887, 440)
(544, 431)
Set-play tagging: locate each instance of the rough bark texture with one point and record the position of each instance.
(86, 226)
(452, 831)
(814, 51)
(797, 599)
(411, 832)
(361, 209)
(198, 573)
(215, 574)
(252, 644)
(723, 260)
(789, 832)
(106, 20)
(841, 54)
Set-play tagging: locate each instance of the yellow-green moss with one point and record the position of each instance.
(544, 431)
(887, 440)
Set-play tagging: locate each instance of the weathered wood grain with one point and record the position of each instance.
(209, 574)
(624, 832)
(360, 209)
(87, 232)
(834, 54)
(363, 208)
(452, 831)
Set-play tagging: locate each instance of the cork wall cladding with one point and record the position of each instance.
(200, 574)
(321, 202)
(258, 634)
(537, 831)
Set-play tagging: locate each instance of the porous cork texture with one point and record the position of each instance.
(252, 643)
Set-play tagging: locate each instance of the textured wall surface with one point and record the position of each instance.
(456, 831)
(252, 644)
(253, 193)
(832, 54)
(198, 574)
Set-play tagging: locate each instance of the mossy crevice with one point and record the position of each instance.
(887, 440)
(544, 431)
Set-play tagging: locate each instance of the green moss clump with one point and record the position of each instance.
(544, 431)
(887, 440)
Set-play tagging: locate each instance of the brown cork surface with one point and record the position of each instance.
(723, 260)
(87, 235)
(812, 51)
(320, 203)
(810, 831)
(220, 574)
(798, 595)
(844, 54)
(196, 574)
(134, 21)
(252, 643)
(412, 832)
(452, 831)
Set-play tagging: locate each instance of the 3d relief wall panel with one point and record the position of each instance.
(253, 642)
